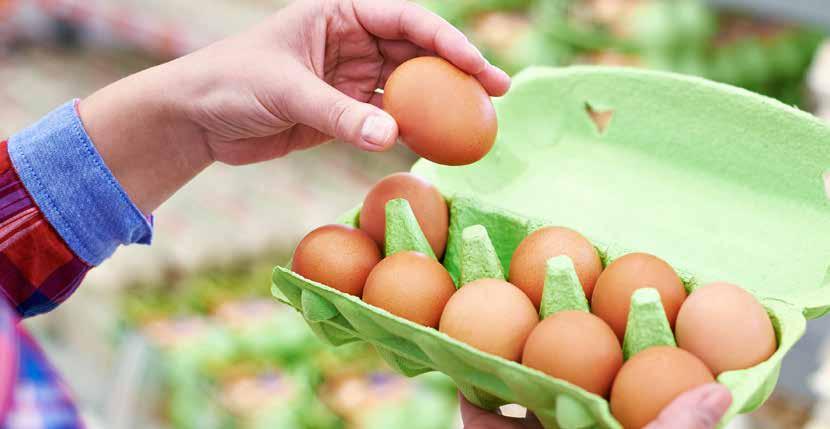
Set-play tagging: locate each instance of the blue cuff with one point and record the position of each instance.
(74, 189)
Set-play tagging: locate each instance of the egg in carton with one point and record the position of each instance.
(720, 181)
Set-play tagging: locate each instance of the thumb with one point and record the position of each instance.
(322, 107)
(701, 408)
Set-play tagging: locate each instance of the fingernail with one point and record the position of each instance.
(376, 130)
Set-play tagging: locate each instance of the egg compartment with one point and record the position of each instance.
(411, 349)
(490, 381)
(724, 183)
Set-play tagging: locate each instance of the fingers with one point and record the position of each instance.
(313, 102)
(258, 149)
(495, 81)
(398, 51)
(395, 52)
(476, 418)
(404, 20)
(700, 408)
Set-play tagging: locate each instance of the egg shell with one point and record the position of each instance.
(577, 347)
(528, 265)
(726, 327)
(491, 315)
(443, 113)
(410, 285)
(611, 299)
(425, 200)
(651, 380)
(338, 256)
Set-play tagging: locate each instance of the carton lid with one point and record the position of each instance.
(723, 183)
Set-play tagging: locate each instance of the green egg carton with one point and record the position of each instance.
(722, 183)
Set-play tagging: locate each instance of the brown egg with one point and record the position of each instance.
(529, 263)
(650, 380)
(338, 256)
(726, 327)
(443, 114)
(427, 203)
(410, 285)
(612, 294)
(491, 315)
(577, 347)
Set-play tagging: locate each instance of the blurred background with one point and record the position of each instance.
(184, 334)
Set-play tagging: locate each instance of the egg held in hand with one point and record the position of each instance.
(577, 347)
(726, 327)
(528, 265)
(443, 114)
(410, 285)
(491, 315)
(338, 256)
(651, 380)
(426, 201)
(611, 299)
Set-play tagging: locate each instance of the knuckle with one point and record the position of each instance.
(338, 119)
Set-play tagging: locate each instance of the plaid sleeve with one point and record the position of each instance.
(39, 397)
(37, 269)
(59, 164)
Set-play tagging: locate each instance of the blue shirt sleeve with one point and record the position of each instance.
(60, 167)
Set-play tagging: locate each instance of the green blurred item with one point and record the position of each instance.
(685, 36)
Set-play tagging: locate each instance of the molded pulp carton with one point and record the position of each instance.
(722, 183)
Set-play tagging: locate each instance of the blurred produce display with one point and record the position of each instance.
(228, 356)
(162, 28)
(684, 36)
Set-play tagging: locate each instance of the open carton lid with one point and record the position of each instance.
(722, 183)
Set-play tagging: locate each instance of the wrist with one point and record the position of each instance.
(140, 127)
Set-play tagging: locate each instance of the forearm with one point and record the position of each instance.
(296, 81)
(140, 128)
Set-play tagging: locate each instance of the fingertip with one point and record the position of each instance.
(711, 407)
(478, 64)
(502, 84)
(494, 80)
(717, 398)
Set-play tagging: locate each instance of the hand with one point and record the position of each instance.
(314, 68)
(700, 408)
(476, 418)
(304, 76)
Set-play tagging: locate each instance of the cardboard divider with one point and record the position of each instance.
(562, 290)
(478, 256)
(403, 233)
(647, 324)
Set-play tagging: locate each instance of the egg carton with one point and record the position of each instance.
(722, 183)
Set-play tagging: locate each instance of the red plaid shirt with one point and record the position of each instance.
(38, 271)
